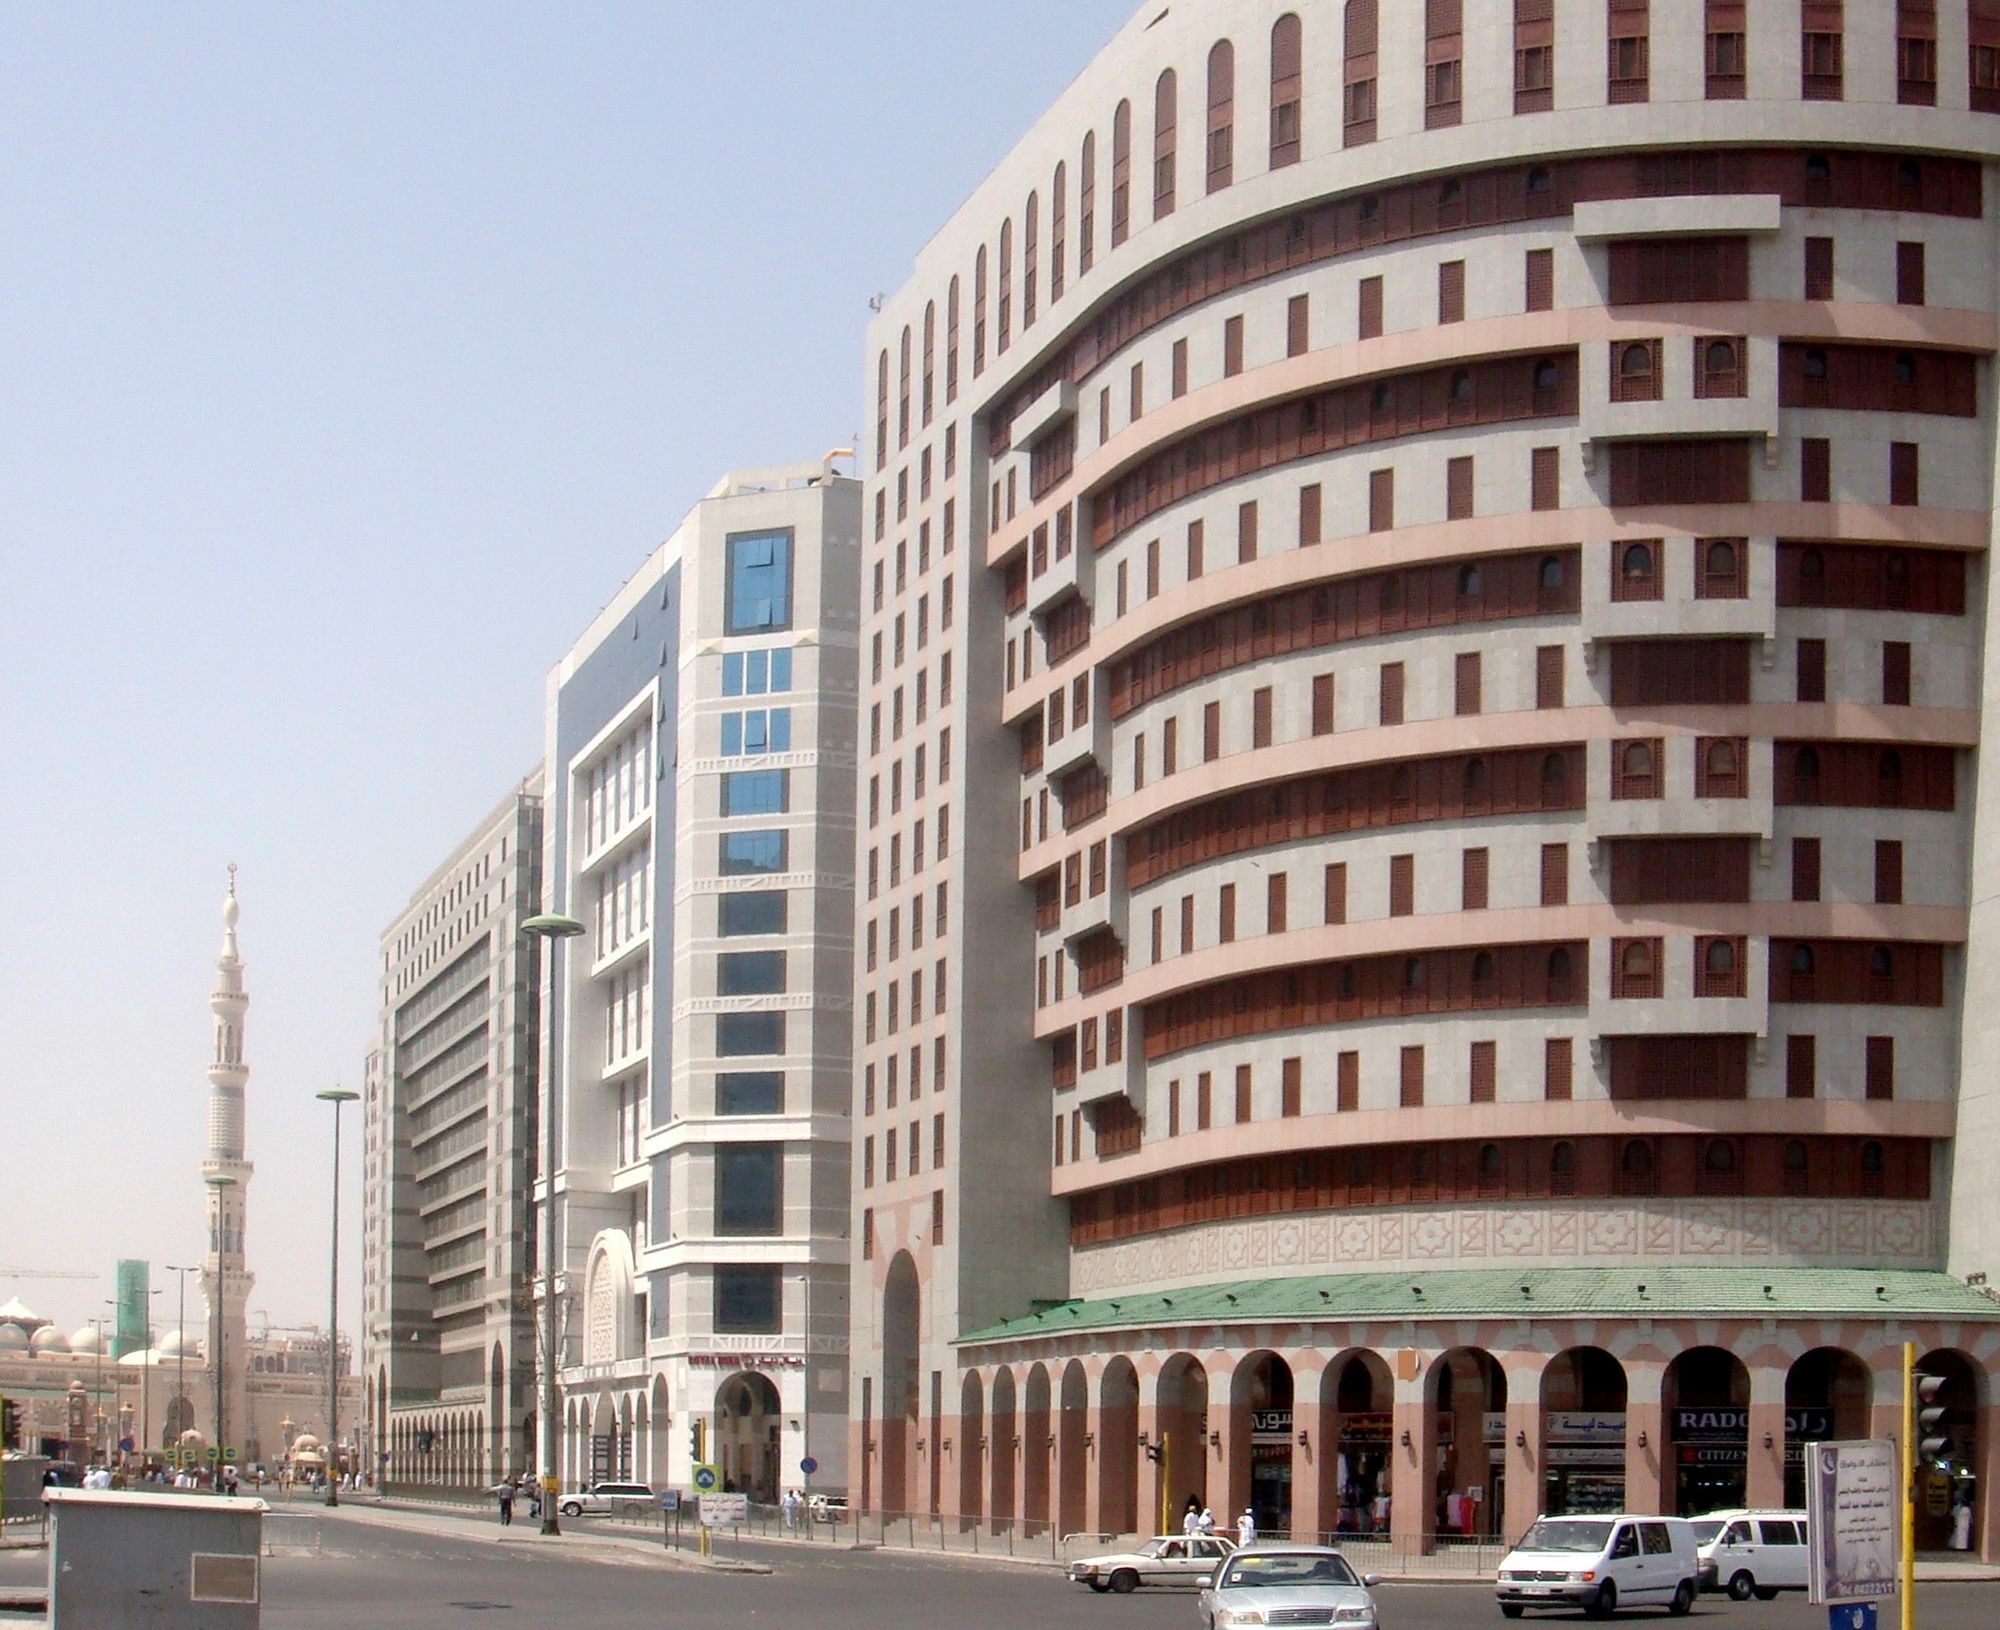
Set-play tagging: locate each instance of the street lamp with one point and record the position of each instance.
(806, 1399)
(335, 1096)
(181, 1350)
(549, 927)
(220, 1183)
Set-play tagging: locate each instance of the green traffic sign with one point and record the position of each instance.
(706, 1479)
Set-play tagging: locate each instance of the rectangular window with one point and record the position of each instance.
(1211, 732)
(1903, 472)
(1276, 905)
(1391, 706)
(743, 853)
(1815, 470)
(1812, 670)
(1225, 916)
(1322, 705)
(1246, 533)
(1381, 500)
(1451, 291)
(1297, 326)
(1888, 872)
(743, 1035)
(1548, 676)
(1801, 1066)
(1627, 65)
(749, 973)
(1136, 397)
(1232, 347)
(747, 1300)
(1483, 1069)
(1194, 549)
(1820, 51)
(1402, 885)
(1336, 893)
(1204, 1102)
(1819, 268)
(1555, 874)
(1473, 873)
(1411, 1078)
(1725, 54)
(749, 1189)
(1880, 1067)
(1540, 293)
(1909, 274)
(1458, 489)
(1916, 53)
(1260, 715)
(1895, 673)
(1805, 868)
(1544, 478)
(1187, 923)
(750, 1092)
(1983, 55)
(1557, 1069)
(1242, 1094)
(760, 911)
(1358, 69)
(1465, 683)
(1443, 53)
(1371, 309)
(755, 792)
(1180, 369)
(1291, 1087)
(759, 582)
(1534, 56)
(1309, 515)
(1347, 1082)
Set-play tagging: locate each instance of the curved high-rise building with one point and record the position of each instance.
(1425, 619)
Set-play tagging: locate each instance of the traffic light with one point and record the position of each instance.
(1932, 1430)
(694, 1443)
(10, 1424)
(1156, 1452)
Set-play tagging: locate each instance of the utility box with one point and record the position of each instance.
(120, 1558)
(21, 1483)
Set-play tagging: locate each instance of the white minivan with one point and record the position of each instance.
(1752, 1553)
(1600, 1564)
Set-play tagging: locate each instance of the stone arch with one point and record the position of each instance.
(1357, 1410)
(1003, 1446)
(901, 1311)
(1262, 1420)
(1037, 1448)
(1118, 1494)
(499, 1452)
(744, 1436)
(1954, 1475)
(1467, 1496)
(610, 1306)
(659, 1417)
(1072, 1453)
(1182, 1414)
(971, 1447)
(1828, 1394)
(1705, 1395)
(1584, 1394)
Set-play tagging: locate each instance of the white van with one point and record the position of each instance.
(1752, 1553)
(1600, 1564)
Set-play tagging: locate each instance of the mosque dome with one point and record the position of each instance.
(15, 1311)
(174, 1343)
(48, 1339)
(86, 1340)
(136, 1360)
(13, 1339)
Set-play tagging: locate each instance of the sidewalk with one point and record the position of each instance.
(449, 1522)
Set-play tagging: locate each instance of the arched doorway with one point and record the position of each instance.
(971, 1437)
(1466, 1386)
(1706, 1395)
(1828, 1392)
(1361, 1396)
(656, 1445)
(1182, 1412)
(1038, 1445)
(744, 1441)
(1949, 1480)
(1072, 1472)
(1119, 1499)
(1003, 1447)
(1583, 1433)
(1260, 1413)
(180, 1418)
(900, 1402)
(499, 1452)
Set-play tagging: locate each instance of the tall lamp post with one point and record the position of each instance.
(97, 1323)
(549, 927)
(181, 1351)
(806, 1397)
(335, 1096)
(220, 1183)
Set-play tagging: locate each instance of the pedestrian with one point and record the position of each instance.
(1246, 1528)
(1191, 1521)
(506, 1491)
(1205, 1524)
(791, 1507)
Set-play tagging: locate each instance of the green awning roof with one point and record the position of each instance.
(1623, 1292)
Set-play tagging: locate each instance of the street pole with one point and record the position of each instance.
(806, 1404)
(1909, 1560)
(549, 927)
(335, 1096)
(98, 1322)
(219, 1184)
(180, 1344)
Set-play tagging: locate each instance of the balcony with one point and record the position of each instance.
(1677, 385)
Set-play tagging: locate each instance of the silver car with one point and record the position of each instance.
(1288, 1585)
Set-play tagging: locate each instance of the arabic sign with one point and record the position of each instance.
(1852, 1511)
(1733, 1425)
(725, 1510)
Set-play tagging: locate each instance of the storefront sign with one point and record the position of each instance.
(1733, 1425)
(1366, 1428)
(1270, 1426)
(1585, 1454)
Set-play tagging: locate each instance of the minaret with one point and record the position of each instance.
(225, 1280)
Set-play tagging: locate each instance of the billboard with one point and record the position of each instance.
(1853, 1506)
(134, 1292)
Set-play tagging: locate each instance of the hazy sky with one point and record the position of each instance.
(350, 357)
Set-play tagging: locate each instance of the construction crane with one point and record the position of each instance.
(9, 1271)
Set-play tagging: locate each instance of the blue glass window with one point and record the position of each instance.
(732, 735)
(756, 672)
(755, 792)
(781, 671)
(760, 582)
(760, 730)
(760, 851)
(732, 673)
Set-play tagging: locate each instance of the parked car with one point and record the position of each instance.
(1172, 1559)
(1752, 1553)
(1601, 1564)
(1288, 1584)
(603, 1499)
(828, 1507)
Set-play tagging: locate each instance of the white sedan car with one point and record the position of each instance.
(1288, 1584)
(1172, 1559)
(602, 1499)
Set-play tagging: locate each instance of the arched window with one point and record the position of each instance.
(1468, 582)
(1722, 558)
(1909, 173)
(1721, 575)
(1004, 289)
(1802, 962)
(1881, 963)
(1345, 984)
(1814, 364)
(1482, 972)
(1539, 180)
(1413, 973)
(1889, 777)
(1472, 782)
(903, 363)
(1871, 1157)
(1638, 761)
(882, 408)
(1489, 1163)
(1635, 1168)
(1555, 781)
(1818, 168)
(1121, 173)
(1638, 577)
(1805, 775)
(1031, 254)
(1559, 973)
(1795, 1166)
(1402, 788)
(1720, 357)
(1058, 230)
(1379, 399)
(927, 400)
(1562, 1169)
(1635, 964)
(1719, 1156)
(1636, 361)
(951, 341)
(1547, 374)
(1720, 960)
(1166, 117)
(1552, 574)
(1370, 209)
(1720, 765)
(1086, 203)
(979, 312)
(1906, 368)
(1287, 90)
(1422, 1163)
(1461, 386)
(1390, 594)
(1221, 115)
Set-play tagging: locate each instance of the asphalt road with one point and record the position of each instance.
(390, 1578)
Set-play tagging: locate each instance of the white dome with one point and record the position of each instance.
(136, 1360)
(48, 1339)
(86, 1340)
(16, 1311)
(13, 1339)
(173, 1343)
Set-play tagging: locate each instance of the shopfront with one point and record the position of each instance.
(1271, 1469)
(1362, 1472)
(1586, 1463)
